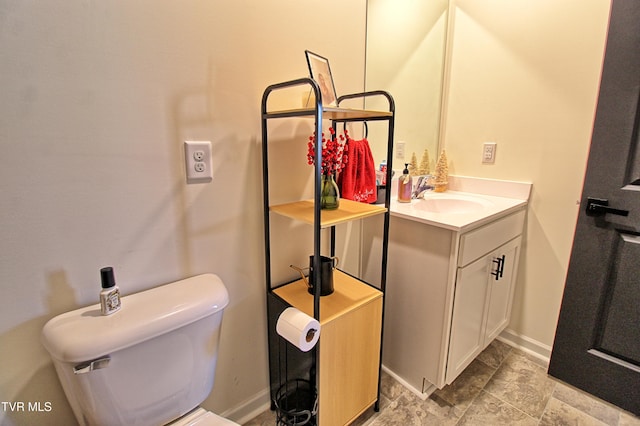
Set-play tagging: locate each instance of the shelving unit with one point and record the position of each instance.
(345, 365)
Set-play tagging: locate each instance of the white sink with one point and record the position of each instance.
(455, 210)
(452, 203)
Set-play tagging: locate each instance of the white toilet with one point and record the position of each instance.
(151, 363)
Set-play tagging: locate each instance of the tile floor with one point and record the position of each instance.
(503, 386)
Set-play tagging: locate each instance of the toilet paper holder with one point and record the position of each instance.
(298, 328)
(311, 334)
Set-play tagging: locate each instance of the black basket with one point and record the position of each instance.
(296, 403)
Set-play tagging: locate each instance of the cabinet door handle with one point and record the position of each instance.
(496, 273)
(499, 268)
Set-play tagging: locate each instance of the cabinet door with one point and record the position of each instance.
(349, 362)
(468, 321)
(501, 290)
(482, 305)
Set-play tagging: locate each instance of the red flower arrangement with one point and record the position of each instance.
(334, 152)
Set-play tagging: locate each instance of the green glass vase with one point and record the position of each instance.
(330, 194)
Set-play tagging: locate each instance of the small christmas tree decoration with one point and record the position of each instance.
(413, 165)
(441, 173)
(424, 164)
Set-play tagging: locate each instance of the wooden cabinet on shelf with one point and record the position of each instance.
(450, 293)
(350, 323)
(345, 364)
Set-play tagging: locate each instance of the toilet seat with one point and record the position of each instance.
(202, 417)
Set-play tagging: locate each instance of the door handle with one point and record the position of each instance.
(500, 268)
(600, 207)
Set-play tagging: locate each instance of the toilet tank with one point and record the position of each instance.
(147, 364)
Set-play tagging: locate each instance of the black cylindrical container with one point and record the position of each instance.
(327, 264)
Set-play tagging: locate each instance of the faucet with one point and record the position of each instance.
(423, 185)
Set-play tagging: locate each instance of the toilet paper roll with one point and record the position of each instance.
(298, 328)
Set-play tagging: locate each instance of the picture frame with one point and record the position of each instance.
(321, 74)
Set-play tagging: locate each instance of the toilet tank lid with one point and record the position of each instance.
(85, 334)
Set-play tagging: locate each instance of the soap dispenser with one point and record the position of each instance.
(110, 294)
(405, 185)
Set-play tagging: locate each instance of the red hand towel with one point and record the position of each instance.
(357, 180)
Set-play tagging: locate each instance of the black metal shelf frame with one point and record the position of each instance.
(318, 113)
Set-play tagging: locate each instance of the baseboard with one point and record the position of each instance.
(249, 408)
(422, 395)
(538, 350)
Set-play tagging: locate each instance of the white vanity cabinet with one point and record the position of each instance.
(482, 305)
(450, 295)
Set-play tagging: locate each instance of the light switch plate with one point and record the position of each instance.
(197, 156)
(400, 150)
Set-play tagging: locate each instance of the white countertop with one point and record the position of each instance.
(464, 221)
(493, 206)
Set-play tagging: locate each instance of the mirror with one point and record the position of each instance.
(406, 49)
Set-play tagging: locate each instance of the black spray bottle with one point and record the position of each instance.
(110, 294)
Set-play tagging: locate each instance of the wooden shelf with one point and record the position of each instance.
(349, 210)
(331, 113)
(349, 293)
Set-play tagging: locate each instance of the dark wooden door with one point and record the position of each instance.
(597, 343)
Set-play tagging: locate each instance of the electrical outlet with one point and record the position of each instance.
(489, 152)
(200, 167)
(197, 155)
